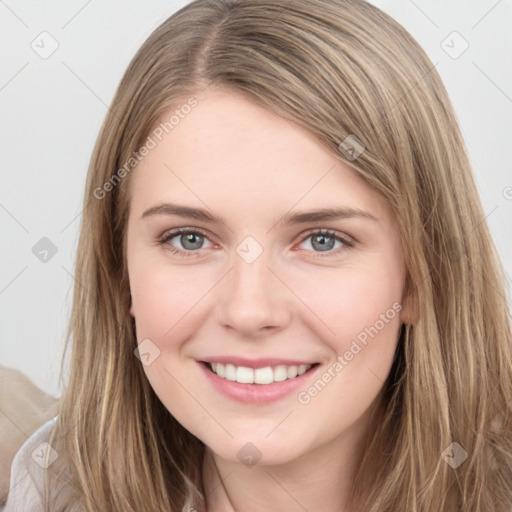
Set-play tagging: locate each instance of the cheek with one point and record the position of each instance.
(362, 312)
(163, 300)
(161, 296)
(347, 303)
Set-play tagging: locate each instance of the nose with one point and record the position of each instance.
(253, 301)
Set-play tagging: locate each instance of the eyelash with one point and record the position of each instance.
(166, 237)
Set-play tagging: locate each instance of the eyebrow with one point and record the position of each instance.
(296, 218)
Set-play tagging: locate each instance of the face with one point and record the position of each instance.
(231, 272)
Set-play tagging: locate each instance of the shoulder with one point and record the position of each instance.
(25, 407)
(26, 488)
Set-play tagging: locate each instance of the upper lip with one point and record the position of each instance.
(261, 362)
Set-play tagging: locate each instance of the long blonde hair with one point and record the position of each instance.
(339, 68)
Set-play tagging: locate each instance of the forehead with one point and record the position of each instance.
(231, 153)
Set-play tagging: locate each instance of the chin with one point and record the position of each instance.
(255, 453)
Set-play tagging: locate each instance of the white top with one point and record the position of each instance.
(26, 486)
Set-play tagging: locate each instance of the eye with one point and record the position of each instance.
(190, 239)
(323, 241)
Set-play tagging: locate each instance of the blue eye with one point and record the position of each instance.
(191, 240)
(322, 241)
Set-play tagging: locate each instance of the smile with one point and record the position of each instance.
(266, 375)
(257, 381)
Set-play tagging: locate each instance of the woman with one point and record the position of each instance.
(288, 296)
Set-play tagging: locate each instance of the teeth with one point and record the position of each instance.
(245, 375)
(220, 370)
(280, 373)
(292, 371)
(265, 375)
(230, 372)
(302, 369)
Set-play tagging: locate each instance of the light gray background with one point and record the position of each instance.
(52, 109)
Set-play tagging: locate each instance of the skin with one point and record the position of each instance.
(250, 166)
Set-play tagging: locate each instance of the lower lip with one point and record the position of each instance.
(256, 393)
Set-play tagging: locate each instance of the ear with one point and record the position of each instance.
(132, 309)
(409, 313)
